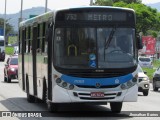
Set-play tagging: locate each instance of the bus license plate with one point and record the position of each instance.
(97, 94)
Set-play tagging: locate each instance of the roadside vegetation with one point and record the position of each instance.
(147, 20)
(150, 71)
(9, 50)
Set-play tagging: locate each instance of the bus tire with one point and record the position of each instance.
(116, 107)
(44, 97)
(30, 98)
(52, 107)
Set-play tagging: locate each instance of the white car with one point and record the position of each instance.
(143, 82)
(145, 62)
(16, 50)
(156, 79)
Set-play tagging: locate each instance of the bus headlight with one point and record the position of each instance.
(64, 84)
(129, 83)
(123, 86)
(71, 87)
(58, 80)
(134, 79)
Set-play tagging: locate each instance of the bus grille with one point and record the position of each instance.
(106, 86)
(87, 96)
(97, 75)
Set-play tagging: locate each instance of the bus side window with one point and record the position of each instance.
(29, 39)
(19, 42)
(43, 36)
(23, 41)
(38, 49)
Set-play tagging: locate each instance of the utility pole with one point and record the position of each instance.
(46, 4)
(5, 21)
(4, 29)
(91, 2)
(21, 11)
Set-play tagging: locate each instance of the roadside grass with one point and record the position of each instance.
(150, 71)
(9, 50)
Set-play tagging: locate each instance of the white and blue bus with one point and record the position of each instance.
(80, 55)
(2, 48)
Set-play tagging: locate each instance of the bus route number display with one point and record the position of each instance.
(96, 16)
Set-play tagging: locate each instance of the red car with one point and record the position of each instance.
(11, 69)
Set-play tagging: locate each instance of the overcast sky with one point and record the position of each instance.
(14, 6)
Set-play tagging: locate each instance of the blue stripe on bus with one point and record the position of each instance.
(93, 81)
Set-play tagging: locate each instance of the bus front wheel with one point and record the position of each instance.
(116, 107)
(52, 107)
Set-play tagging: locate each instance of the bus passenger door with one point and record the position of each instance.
(21, 59)
(34, 48)
(49, 39)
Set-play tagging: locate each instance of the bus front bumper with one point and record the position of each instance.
(61, 95)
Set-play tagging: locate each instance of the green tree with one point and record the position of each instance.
(104, 2)
(9, 28)
(110, 2)
(128, 1)
(147, 18)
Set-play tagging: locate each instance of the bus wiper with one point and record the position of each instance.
(109, 40)
(110, 37)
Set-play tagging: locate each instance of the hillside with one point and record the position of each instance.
(13, 18)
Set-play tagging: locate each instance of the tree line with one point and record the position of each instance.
(147, 18)
(9, 28)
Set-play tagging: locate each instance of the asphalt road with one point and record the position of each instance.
(12, 98)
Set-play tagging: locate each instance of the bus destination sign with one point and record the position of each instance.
(111, 16)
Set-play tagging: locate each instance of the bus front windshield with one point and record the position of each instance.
(94, 48)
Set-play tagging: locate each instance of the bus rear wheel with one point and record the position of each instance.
(30, 98)
(116, 107)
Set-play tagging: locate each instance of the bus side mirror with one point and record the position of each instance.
(139, 42)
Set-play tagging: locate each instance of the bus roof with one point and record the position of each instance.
(44, 17)
(96, 7)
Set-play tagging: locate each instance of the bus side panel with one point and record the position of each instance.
(39, 59)
(30, 73)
